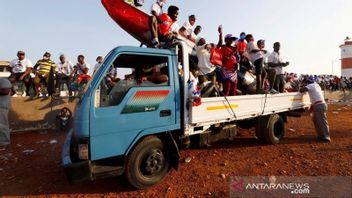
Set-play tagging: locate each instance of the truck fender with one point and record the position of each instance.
(167, 139)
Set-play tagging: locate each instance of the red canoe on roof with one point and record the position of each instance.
(130, 18)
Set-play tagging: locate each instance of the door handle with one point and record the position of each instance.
(165, 113)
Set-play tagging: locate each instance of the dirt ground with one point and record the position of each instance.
(31, 166)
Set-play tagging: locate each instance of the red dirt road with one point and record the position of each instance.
(39, 173)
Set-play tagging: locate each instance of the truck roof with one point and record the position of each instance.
(144, 50)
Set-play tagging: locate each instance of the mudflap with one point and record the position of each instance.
(79, 172)
(174, 151)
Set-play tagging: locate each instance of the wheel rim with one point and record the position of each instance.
(154, 163)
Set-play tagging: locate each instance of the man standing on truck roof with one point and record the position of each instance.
(5, 90)
(318, 109)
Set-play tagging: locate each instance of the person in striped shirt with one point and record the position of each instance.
(42, 70)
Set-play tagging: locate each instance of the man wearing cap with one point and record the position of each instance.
(42, 68)
(229, 66)
(5, 89)
(275, 61)
(318, 108)
(20, 70)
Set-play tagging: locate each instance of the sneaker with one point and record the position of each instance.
(155, 43)
(36, 96)
(324, 139)
(261, 91)
(273, 91)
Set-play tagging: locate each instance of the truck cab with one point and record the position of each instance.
(112, 115)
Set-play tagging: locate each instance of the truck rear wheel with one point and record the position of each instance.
(275, 129)
(148, 163)
(261, 125)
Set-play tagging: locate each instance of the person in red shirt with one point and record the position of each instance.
(229, 66)
(241, 44)
(168, 28)
(163, 28)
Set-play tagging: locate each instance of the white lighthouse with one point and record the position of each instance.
(346, 58)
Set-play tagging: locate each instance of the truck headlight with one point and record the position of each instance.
(83, 151)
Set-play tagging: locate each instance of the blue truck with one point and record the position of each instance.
(136, 124)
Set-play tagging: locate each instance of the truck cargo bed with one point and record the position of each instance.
(220, 109)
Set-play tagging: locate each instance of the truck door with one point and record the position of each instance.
(135, 96)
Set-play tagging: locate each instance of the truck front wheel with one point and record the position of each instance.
(148, 163)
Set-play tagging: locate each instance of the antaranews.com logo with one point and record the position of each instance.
(290, 186)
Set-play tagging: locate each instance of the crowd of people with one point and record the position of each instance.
(46, 76)
(326, 82)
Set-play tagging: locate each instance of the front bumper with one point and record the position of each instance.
(75, 171)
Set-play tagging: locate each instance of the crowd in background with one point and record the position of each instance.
(46, 77)
(326, 82)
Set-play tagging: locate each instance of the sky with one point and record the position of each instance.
(310, 31)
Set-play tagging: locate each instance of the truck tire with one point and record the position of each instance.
(260, 127)
(275, 129)
(148, 163)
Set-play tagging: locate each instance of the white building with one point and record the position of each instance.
(4, 69)
(346, 58)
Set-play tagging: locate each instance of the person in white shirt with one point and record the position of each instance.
(5, 90)
(206, 68)
(268, 73)
(20, 70)
(154, 21)
(63, 71)
(255, 55)
(187, 29)
(194, 89)
(81, 69)
(99, 64)
(318, 108)
(112, 77)
(196, 33)
(275, 61)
